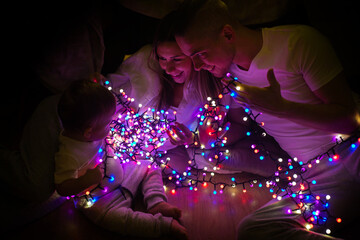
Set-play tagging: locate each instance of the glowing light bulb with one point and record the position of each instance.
(309, 226)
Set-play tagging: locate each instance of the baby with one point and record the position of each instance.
(102, 185)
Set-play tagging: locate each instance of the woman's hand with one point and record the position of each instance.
(180, 134)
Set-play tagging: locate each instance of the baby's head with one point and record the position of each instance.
(86, 109)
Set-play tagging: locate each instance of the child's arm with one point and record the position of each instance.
(74, 186)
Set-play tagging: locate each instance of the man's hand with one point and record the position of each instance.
(267, 99)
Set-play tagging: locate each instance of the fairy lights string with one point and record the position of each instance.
(137, 135)
(313, 207)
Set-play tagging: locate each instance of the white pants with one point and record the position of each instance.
(114, 212)
(339, 179)
(241, 157)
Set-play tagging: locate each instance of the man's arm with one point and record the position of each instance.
(336, 113)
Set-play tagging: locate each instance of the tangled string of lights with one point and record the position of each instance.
(137, 135)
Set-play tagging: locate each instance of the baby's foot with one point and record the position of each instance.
(166, 209)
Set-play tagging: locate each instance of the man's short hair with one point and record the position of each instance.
(202, 17)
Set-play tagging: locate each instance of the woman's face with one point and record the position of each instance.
(174, 62)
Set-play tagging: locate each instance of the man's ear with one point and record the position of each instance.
(88, 133)
(228, 32)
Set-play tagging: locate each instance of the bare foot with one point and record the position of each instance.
(178, 231)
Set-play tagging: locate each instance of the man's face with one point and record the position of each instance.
(212, 54)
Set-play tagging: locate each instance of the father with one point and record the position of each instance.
(291, 75)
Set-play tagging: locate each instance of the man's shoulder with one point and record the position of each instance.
(294, 30)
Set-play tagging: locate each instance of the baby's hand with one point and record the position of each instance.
(94, 176)
(178, 231)
(166, 209)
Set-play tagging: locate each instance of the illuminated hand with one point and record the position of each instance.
(180, 134)
(211, 131)
(267, 99)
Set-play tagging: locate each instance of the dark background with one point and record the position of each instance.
(30, 28)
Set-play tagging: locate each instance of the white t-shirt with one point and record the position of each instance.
(74, 158)
(303, 61)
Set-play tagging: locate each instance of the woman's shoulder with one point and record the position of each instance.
(140, 55)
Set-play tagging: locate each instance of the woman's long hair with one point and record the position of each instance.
(201, 84)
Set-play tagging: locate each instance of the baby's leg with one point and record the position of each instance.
(154, 195)
(113, 212)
